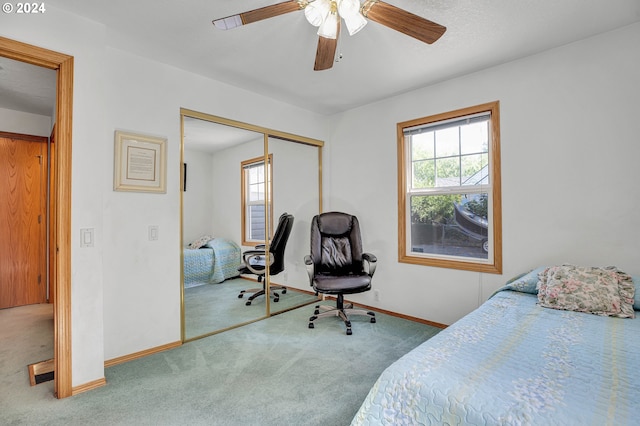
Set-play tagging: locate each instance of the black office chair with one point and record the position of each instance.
(255, 260)
(337, 265)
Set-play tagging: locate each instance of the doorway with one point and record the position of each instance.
(61, 222)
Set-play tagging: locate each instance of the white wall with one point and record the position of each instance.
(570, 150)
(226, 217)
(125, 290)
(25, 123)
(198, 199)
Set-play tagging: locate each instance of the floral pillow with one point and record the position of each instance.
(200, 242)
(601, 291)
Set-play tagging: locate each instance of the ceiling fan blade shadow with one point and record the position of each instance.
(258, 14)
(400, 20)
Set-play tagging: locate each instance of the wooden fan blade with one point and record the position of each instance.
(326, 53)
(258, 14)
(403, 21)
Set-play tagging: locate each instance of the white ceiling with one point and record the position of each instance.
(27, 88)
(209, 137)
(275, 57)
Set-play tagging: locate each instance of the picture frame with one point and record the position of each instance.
(140, 163)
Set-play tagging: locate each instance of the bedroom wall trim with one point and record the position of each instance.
(392, 313)
(88, 386)
(141, 354)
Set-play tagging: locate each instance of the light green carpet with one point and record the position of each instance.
(272, 372)
(212, 307)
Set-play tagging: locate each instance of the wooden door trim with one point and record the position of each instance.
(63, 130)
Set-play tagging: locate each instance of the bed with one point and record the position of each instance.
(515, 361)
(213, 262)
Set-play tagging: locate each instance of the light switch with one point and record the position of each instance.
(86, 237)
(153, 232)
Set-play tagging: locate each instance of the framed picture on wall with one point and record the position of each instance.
(140, 163)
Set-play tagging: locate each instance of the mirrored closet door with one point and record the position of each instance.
(237, 180)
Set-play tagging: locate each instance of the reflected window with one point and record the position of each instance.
(450, 190)
(254, 199)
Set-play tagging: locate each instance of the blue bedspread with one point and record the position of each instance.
(512, 362)
(216, 262)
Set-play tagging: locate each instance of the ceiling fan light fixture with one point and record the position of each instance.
(350, 11)
(354, 22)
(316, 12)
(329, 28)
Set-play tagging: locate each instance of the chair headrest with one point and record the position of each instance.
(335, 223)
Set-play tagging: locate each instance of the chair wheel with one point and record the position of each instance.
(284, 291)
(311, 325)
(240, 295)
(316, 312)
(349, 332)
(276, 299)
(372, 320)
(248, 303)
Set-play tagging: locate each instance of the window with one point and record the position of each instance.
(449, 190)
(253, 199)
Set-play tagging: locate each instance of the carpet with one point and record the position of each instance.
(212, 307)
(272, 372)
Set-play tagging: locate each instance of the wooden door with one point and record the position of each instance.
(22, 220)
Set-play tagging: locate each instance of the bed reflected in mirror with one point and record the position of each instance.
(236, 182)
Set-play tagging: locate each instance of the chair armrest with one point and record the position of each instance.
(248, 255)
(310, 268)
(371, 261)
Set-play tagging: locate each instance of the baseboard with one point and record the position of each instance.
(391, 313)
(88, 386)
(109, 363)
(141, 354)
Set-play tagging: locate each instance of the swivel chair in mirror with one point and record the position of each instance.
(256, 261)
(337, 265)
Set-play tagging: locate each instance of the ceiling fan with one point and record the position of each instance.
(326, 14)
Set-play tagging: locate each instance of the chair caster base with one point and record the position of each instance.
(241, 295)
(372, 320)
(349, 332)
(248, 303)
(276, 299)
(311, 325)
